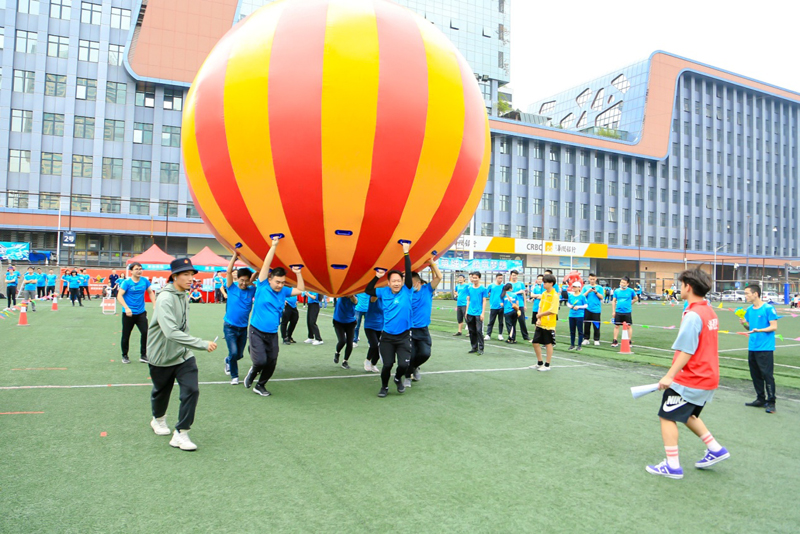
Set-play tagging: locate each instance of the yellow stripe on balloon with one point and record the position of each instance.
(349, 117)
(442, 144)
(196, 176)
(248, 135)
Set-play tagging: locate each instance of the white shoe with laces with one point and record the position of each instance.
(160, 426)
(596, 343)
(309, 340)
(486, 338)
(180, 439)
(367, 366)
(499, 337)
(318, 342)
(375, 369)
(234, 381)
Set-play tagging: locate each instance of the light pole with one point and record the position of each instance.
(715, 266)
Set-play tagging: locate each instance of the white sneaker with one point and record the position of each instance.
(227, 369)
(543, 368)
(585, 342)
(319, 342)
(234, 381)
(367, 366)
(597, 343)
(355, 345)
(181, 440)
(499, 337)
(375, 369)
(406, 382)
(486, 338)
(309, 340)
(160, 427)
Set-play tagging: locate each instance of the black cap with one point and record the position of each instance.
(180, 265)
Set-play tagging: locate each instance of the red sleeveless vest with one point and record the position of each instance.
(702, 371)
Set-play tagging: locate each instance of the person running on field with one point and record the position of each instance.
(361, 310)
(592, 317)
(476, 300)
(28, 293)
(460, 293)
(344, 324)
(761, 320)
(237, 315)
(622, 309)
(171, 359)
(692, 379)
(519, 327)
(546, 319)
(289, 320)
(421, 308)
(495, 307)
(131, 297)
(270, 299)
(373, 328)
(576, 302)
(396, 339)
(12, 278)
(312, 302)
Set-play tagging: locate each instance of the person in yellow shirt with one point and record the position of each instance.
(546, 319)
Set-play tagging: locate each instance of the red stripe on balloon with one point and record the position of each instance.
(467, 166)
(399, 133)
(295, 124)
(212, 145)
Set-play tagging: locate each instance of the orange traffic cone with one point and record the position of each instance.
(54, 307)
(625, 346)
(23, 317)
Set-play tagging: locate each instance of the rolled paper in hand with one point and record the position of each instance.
(641, 391)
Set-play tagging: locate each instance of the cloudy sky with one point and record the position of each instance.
(558, 45)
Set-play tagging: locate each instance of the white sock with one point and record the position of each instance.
(672, 457)
(712, 444)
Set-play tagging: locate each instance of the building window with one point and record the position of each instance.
(598, 186)
(120, 18)
(537, 151)
(486, 201)
(51, 164)
(555, 181)
(140, 206)
(191, 211)
(169, 173)
(55, 85)
(171, 136)
(522, 176)
(536, 233)
(554, 154)
(88, 50)
(504, 230)
(24, 81)
(612, 189)
(626, 215)
(584, 211)
(537, 178)
(19, 161)
(168, 208)
(26, 42)
(612, 215)
(58, 46)
(598, 237)
(84, 128)
(503, 145)
(537, 206)
(612, 238)
(522, 205)
(112, 169)
(140, 171)
(53, 124)
(82, 166)
(569, 210)
(503, 202)
(521, 232)
(598, 213)
(142, 133)
(626, 190)
(486, 229)
(521, 149)
(115, 54)
(17, 199)
(110, 205)
(570, 182)
(584, 236)
(91, 13)
(554, 208)
(173, 99)
(584, 184)
(145, 94)
(86, 89)
(114, 130)
(504, 173)
(49, 201)
(554, 234)
(21, 120)
(60, 9)
(116, 93)
(81, 203)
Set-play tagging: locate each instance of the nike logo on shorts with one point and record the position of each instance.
(672, 403)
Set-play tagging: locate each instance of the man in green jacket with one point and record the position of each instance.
(169, 349)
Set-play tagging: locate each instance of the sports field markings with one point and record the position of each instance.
(19, 413)
(41, 369)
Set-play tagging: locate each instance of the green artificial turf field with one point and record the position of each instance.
(480, 444)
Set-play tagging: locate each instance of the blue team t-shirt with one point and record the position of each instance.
(313, 298)
(239, 305)
(519, 286)
(461, 299)
(495, 290)
(345, 310)
(624, 299)
(30, 281)
(74, 282)
(292, 302)
(12, 277)
(760, 318)
(217, 282)
(363, 302)
(84, 280)
(268, 306)
(592, 299)
(421, 304)
(508, 303)
(576, 300)
(538, 289)
(374, 317)
(51, 279)
(476, 296)
(396, 309)
(41, 280)
(134, 293)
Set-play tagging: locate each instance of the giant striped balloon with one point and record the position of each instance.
(346, 126)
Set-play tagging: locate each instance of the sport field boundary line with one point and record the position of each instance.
(293, 379)
(19, 413)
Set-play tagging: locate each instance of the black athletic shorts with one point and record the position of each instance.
(461, 313)
(544, 337)
(676, 408)
(620, 318)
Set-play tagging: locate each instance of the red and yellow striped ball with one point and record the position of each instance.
(346, 126)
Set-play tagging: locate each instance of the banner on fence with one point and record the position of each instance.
(459, 264)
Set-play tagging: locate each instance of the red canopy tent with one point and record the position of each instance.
(153, 259)
(206, 261)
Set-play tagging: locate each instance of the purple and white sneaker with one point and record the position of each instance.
(712, 458)
(665, 470)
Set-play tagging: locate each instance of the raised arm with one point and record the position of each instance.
(264, 274)
(301, 285)
(437, 274)
(408, 281)
(229, 272)
(370, 289)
